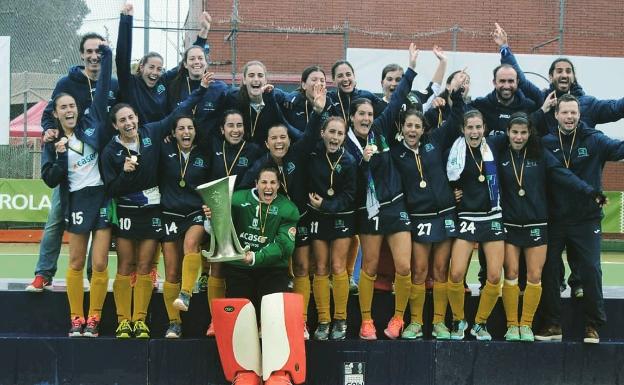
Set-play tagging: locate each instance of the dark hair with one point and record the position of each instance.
(227, 113)
(87, 36)
(390, 68)
(417, 113)
(55, 101)
(566, 98)
(268, 168)
(551, 70)
(115, 109)
(446, 93)
(307, 72)
(533, 145)
(176, 84)
(177, 118)
(473, 114)
(339, 63)
(356, 103)
(278, 125)
(498, 68)
(334, 119)
(146, 57)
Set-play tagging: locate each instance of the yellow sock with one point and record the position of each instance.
(216, 289)
(301, 285)
(97, 294)
(417, 302)
(321, 297)
(440, 301)
(532, 295)
(352, 254)
(142, 295)
(489, 296)
(170, 293)
(456, 295)
(341, 295)
(122, 292)
(366, 288)
(190, 269)
(402, 289)
(511, 294)
(75, 292)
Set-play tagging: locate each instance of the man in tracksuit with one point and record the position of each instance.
(81, 83)
(575, 219)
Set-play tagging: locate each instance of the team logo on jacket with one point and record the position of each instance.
(199, 162)
(530, 163)
(243, 162)
(209, 106)
(89, 131)
(160, 89)
(111, 95)
(582, 152)
(290, 167)
(147, 142)
(429, 147)
(291, 233)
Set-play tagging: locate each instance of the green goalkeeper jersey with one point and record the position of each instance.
(269, 230)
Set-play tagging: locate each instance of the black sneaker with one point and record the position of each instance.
(550, 333)
(322, 332)
(591, 335)
(339, 330)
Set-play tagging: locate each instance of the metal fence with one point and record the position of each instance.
(20, 161)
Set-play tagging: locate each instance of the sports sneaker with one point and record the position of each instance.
(182, 302)
(210, 332)
(339, 330)
(459, 327)
(412, 331)
(278, 377)
(201, 286)
(513, 333)
(92, 328)
(124, 329)
(394, 328)
(77, 324)
(306, 331)
(174, 330)
(440, 331)
(368, 331)
(353, 287)
(141, 330)
(550, 333)
(479, 331)
(154, 275)
(322, 332)
(591, 335)
(247, 378)
(39, 284)
(526, 334)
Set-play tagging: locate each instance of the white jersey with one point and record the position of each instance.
(82, 164)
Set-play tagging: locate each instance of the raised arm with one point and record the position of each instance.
(98, 112)
(530, 90)
(438, 75)
(385, 121)
(124, 49)
(450, 130)
(604, 111)
(312, 132)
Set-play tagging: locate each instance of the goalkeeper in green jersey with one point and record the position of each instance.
(267, 223)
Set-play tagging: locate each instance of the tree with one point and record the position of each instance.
(43, 34)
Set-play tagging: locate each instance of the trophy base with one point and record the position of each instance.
(221, 258)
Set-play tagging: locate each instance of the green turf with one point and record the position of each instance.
(18, 261)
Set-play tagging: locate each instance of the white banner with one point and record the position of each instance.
(5, 87)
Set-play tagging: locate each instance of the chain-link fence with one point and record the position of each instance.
(20, 161)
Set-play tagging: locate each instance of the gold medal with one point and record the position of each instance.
(330, 192)
(481, 178)
(134, 158)
(423, 184)
(521, 192)
(182, 183)
(63, 140)
(262, 239)
(374, 148)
